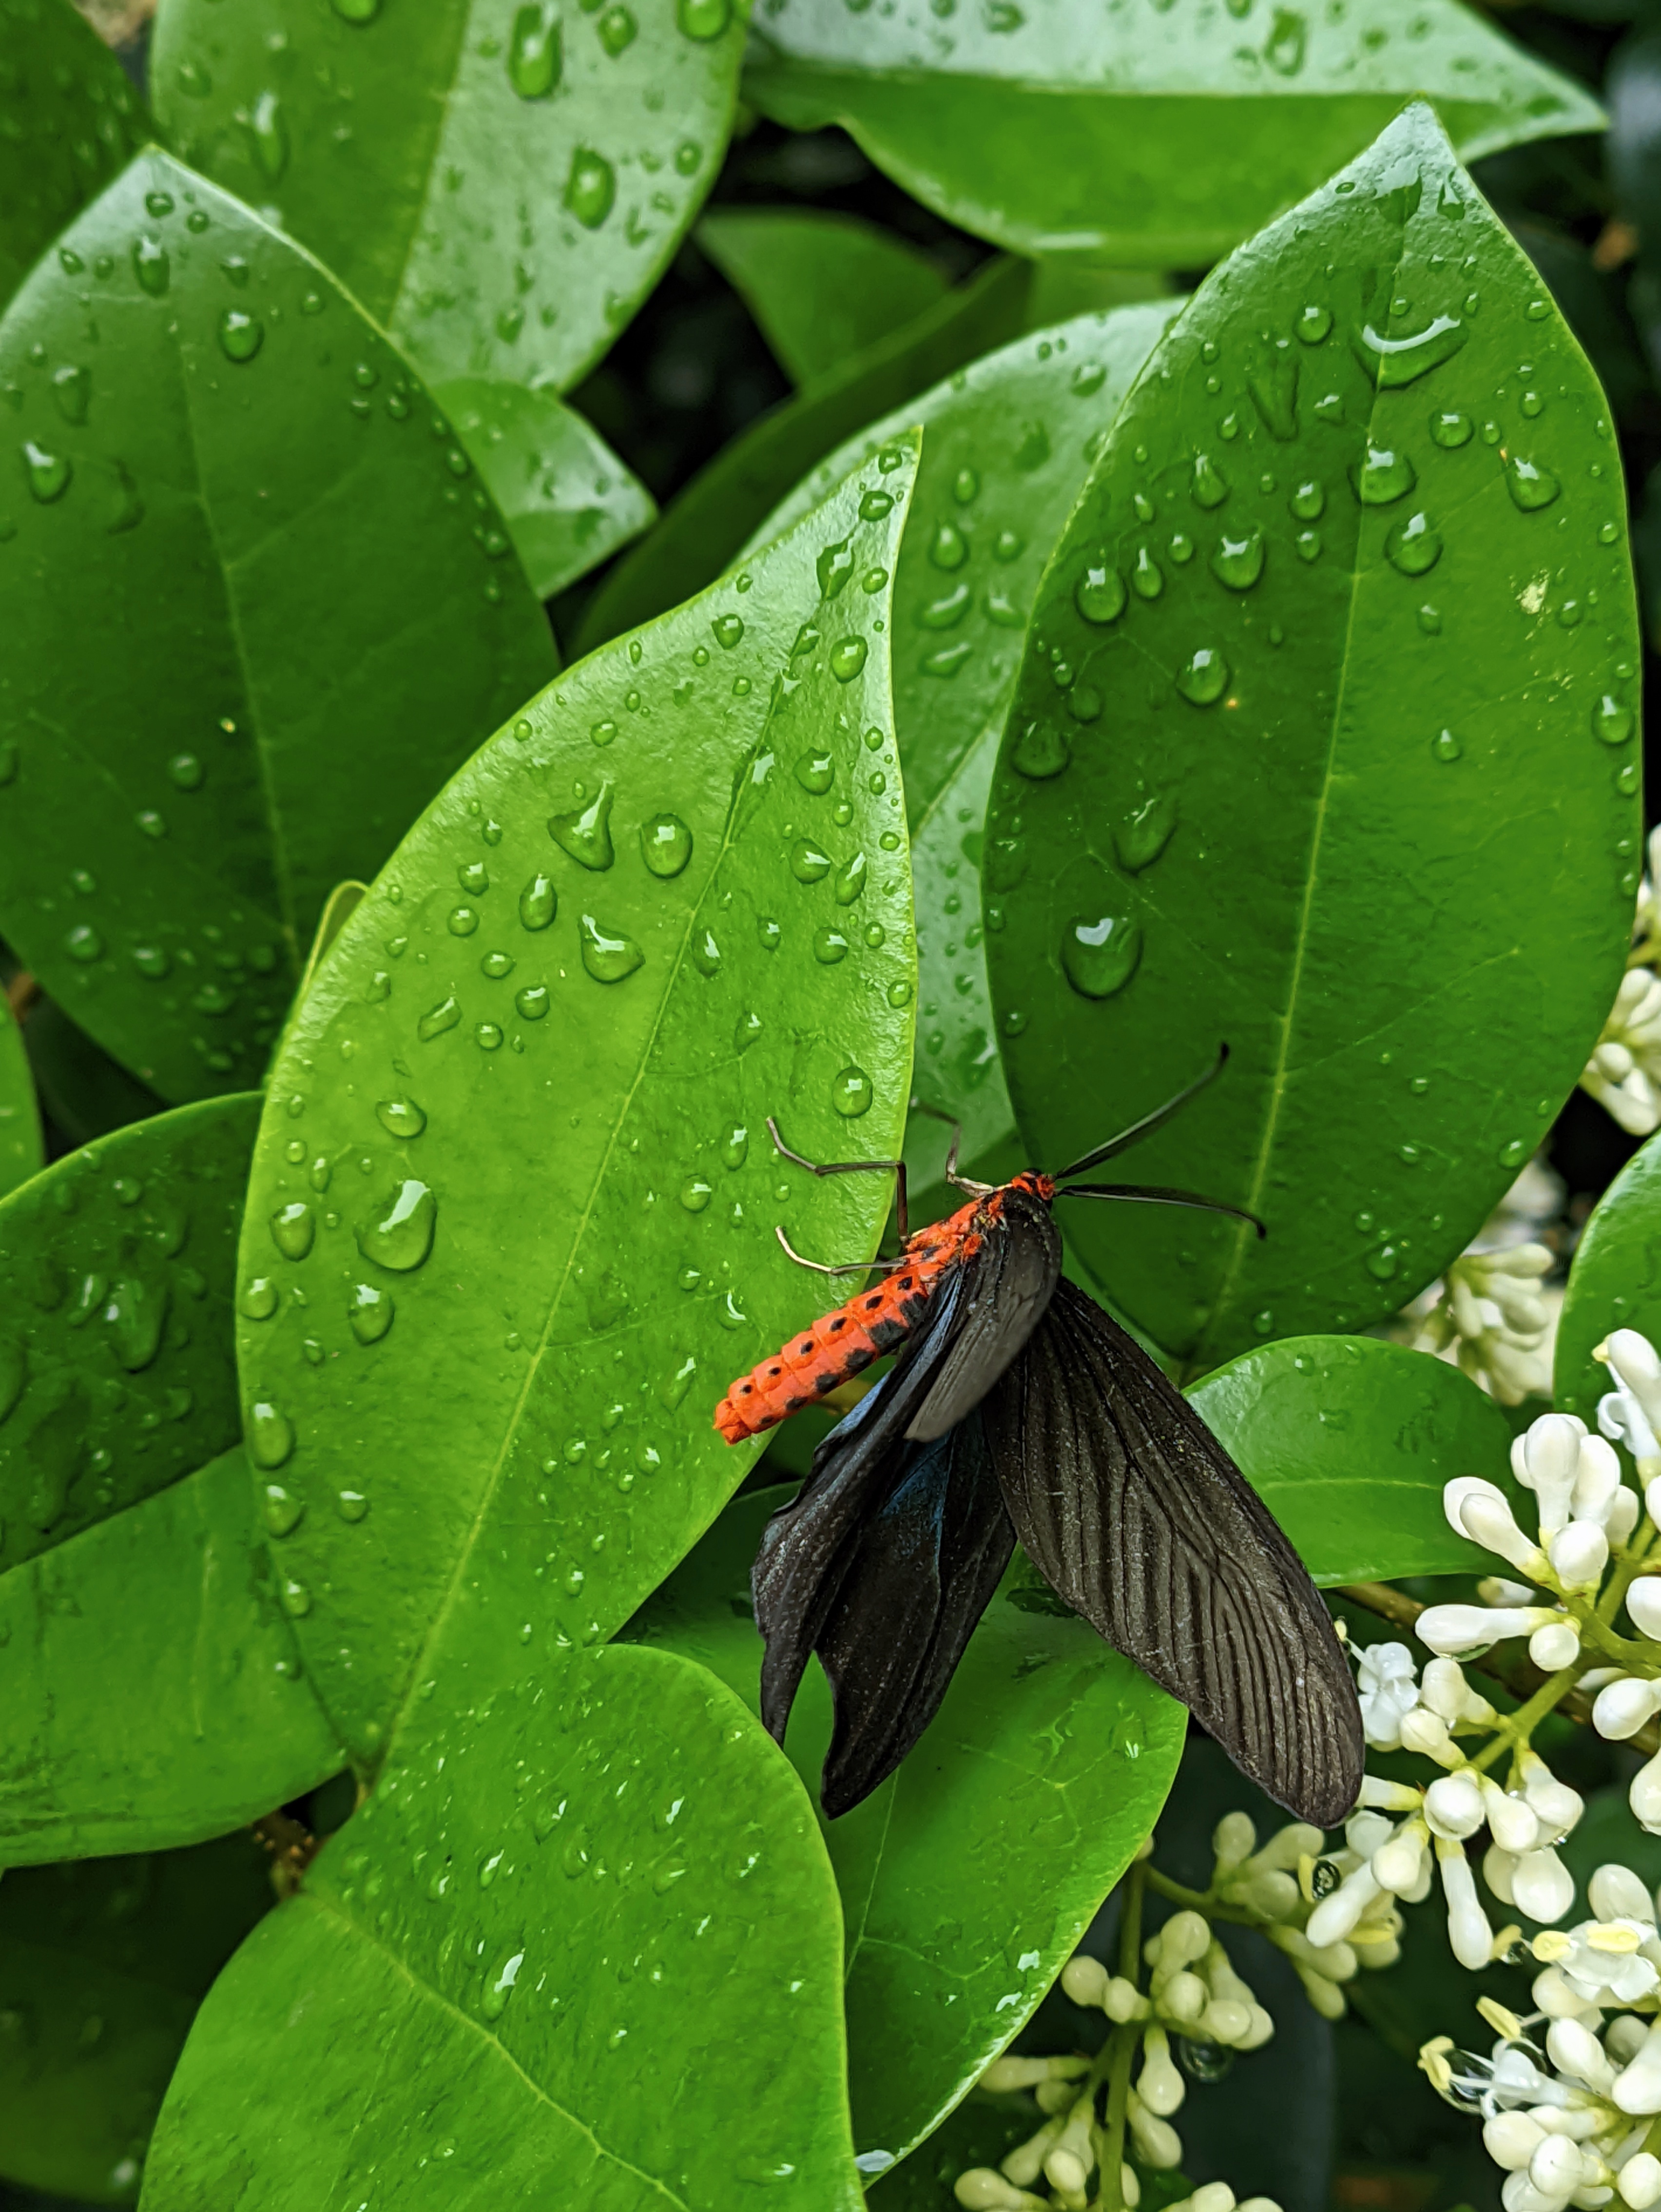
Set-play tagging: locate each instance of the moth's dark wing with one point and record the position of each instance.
(1017, 1270)
(807, 1546)
(1134, 1513)
(923, 1572)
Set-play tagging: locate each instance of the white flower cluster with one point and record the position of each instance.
(1194, 2005)
(1495, 1322)
(1624, 1073)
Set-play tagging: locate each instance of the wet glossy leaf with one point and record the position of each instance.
(152, 1690)
(957, 1923)
(1324, 748)
(512, 181)
(822, 288)
(1614, 1282)
(703, 528)
(83, 1091)
(69, 120)
(1155, 135)
(210, 436)
(1007, 444)
(21, 1149)
(103, 1963)
(580, 1920)
(515, 1156)
(1349, 1442)
(566, 499)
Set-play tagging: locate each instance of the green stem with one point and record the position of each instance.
(1207, 1902)
(1120, 2050)
(1516, 1728)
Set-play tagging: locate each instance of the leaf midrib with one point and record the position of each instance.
(320, 1902)
(1203, 1352)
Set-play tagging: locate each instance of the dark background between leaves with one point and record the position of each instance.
(1351, 2124)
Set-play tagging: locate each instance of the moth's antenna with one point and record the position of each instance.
(1148, 1123)
(1158, 1194)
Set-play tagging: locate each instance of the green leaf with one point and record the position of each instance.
(83, 1091)
(527, 1193)
(512, 181)
(582, 1948)
(823, 287)
(21, 1151)
(69, 120)
(1009, 443)
(1612, 1282)
(1157, 136)
(102, 1965)
(1349, 1441)
(723, 505)
(153, 1690)
(957, 1920)
(566, 499)
(210, 437)
(1330, 757)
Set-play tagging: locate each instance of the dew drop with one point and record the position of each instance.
(850, 879)
(591, 187)
(295, 1597)
(532, 1002)
(83, 944)
(152, 265)
(1450, 429)
(534, 54)
(728, 630)
(1147, 577)
(400, 1117)
(1237, 561)
(268, 133)
(369, 1312)
(401, 1236)
(1143, 834)
(847, 658)
(1445, 746)
(807, 863)
(271, 1437)
(607, 957)
(257, 1300)
(747, 1030)
(1530, 486)
(351, 1504)
(696, 1193)
(1100, 956)
(852, 1092)
(833, 567)
(1383, 475)
(665, 845)
(48, 473)
(703, 19)
(1204, 677)
(1413, 546)
(293, 1229)
(1308, 502)
(1208, 485)
(445, 1016)
(815, 771)
(539, 902)
(829, 945)
(1099, 594)
(1313, 323)
(585, 835)
(240, 335)
(1611, 721)
(705, 953)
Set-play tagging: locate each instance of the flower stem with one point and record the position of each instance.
(1120, 2047)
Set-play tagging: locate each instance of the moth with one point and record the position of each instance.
(1017, 1410)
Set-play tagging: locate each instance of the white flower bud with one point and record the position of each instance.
(1575, 2050)
(1183, 1998)
(1365, 1830)
(1233, 1840)
(1396, 1863)
(1159, 2085)
(1214, 2196)
(1542, 1886)
(1011, 2073)
(1024, 2164)
(1297, 1840)
(1638, 2085)
(1632, 1358)
(1623, 2038)
(1597, 1480)
(1557, 1806)
(1555, 2168)
(1614, 1893)
(1273, 1891)
(1640, 2181)
(1225, 2021)
(1054, 2096)
(1334, 1916)
(1453, 1806)
(1481, 1511)
(1130, 2185)
(981, 2189)
(1386, 1797)
(1326, 1996)
(1498, 1867)
(1494, 1590)
(1622, 1515)
(1558, 1999)
(1064, 2171)
(1555, 1646)
(1425, 1732)
(1451, 1629)
(1085, 1980)
(1643, 1605)
(1545, 1459)
(1184, 1936)
(1579, 1554)
(1122, 2000)
(1511, 1820)
(1155, 2139)
(1645, 1796)
(1468, 1933)
(1258, 2204)
(1262, 2028)
(1622, 1707)
(1510, 2139)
